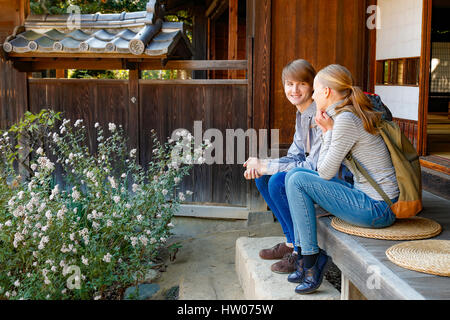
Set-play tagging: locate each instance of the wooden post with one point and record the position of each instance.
(60, 73)
(233, 34)
(199, 40)
(349, 291)
(424, 78)
(134, 111)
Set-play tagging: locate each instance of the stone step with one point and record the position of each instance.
(260, 283)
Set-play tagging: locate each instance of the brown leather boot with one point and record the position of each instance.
(286, 265)
(276, 252)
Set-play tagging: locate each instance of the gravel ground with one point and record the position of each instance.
(333, 275)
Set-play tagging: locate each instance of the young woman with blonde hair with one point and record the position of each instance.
(349, 125)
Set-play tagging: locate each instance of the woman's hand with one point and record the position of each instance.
(324, 121)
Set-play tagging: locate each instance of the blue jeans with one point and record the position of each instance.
(273, 190)
(305, 187)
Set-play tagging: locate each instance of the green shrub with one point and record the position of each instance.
(102, 230)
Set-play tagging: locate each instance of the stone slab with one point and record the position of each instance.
(260, 283)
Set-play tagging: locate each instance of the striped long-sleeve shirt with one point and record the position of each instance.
(348, 134)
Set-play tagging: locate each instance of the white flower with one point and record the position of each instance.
(112, 127)
(40, 151)
(75, 195)
(201, 160)
(97, 297)
(109, 223)
(34, 166)
(55, 137)
(144, 240)
(139, 218)
(96, 125)
(112, 182)
(124, 175)
(78, 122)
(84, 260)
(164, 192)
(17, 283)
(133, 153)
(170, 225)
(176, 180)
(116, 199)
(8, 223)
(107, 257)
(188, 192)
(181, 196)
(48, 214)
(135, 187)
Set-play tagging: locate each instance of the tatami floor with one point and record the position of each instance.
(438, 130)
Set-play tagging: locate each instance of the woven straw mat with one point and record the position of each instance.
(428, 256)
(403, 229)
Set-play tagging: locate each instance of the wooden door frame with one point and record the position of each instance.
(424, 77)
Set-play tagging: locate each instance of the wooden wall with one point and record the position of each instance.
(13, 84)
(321, 31)
(164, 106)
(167, 107)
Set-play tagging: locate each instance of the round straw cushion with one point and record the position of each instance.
(403, 229)
(428, 256)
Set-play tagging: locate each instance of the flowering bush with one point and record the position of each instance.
(102, 229)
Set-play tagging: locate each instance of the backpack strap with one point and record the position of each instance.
(357, 167)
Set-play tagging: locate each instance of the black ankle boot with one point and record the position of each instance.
(313, 276)
(298, 274)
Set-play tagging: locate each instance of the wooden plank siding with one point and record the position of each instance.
(217, 105)
(163, 106)
(13, 84)
(13, 95)
(322, 32)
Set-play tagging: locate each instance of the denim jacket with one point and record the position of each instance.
(298, 155)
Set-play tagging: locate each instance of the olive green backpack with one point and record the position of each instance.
(407, 170)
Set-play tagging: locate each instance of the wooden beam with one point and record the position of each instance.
(134, 110)
(349, 291)
(424, 162)
(424, 77)
(262, 64)
(197, 65)
(220, 82)
(223, 5)
(32, 64)
(60, 73)
(232, 33)
(200, 38)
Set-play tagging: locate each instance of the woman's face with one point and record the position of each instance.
(320, 95)
(297, 92)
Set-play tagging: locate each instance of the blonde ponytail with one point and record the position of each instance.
(340, 79)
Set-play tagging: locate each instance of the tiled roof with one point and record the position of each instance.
(134, 33)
